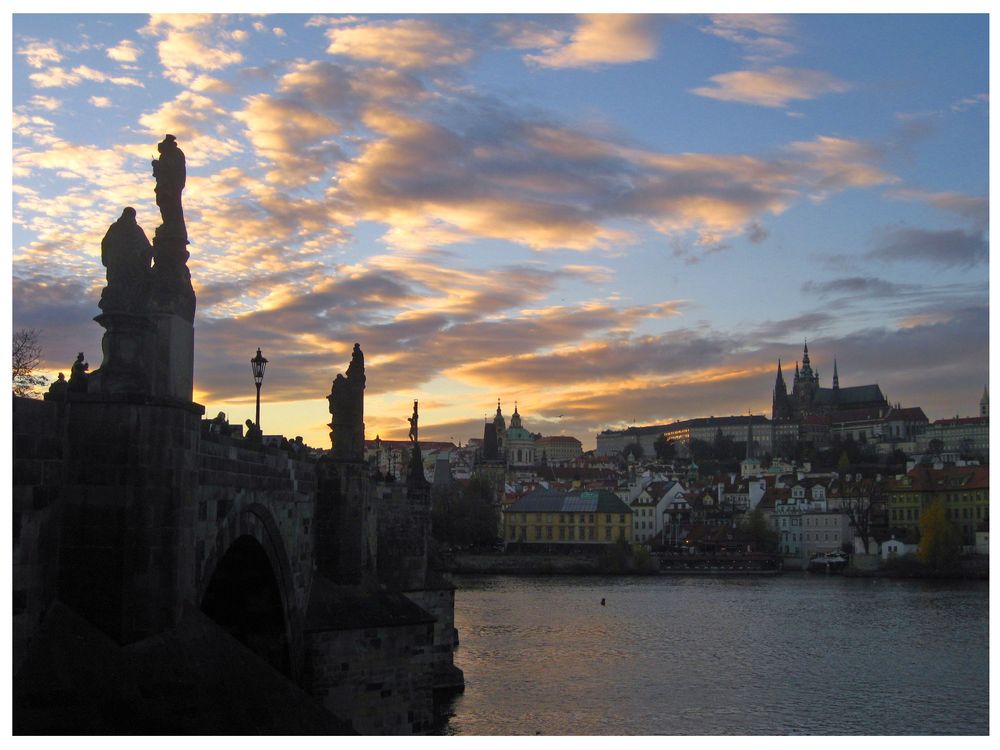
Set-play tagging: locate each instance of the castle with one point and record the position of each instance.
(808, 399)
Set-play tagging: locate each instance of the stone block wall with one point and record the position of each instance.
(403, 529)
(37, 475)
(379, 676)
(440, 603)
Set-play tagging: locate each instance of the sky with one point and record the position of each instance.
(607, 219)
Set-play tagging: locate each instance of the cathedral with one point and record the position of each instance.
(807, 398)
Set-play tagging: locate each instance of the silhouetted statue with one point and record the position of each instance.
(78, 375)
(171, 175)
(127, 254)
(58, 387)
(253, 433)
(347, 408)
(413, 424)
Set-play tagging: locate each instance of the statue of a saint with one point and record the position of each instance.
(413, 424)
(127, 255)
(171, 174)
(78, 375)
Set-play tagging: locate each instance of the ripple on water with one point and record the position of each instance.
(672, 655)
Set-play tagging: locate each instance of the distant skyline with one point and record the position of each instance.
(604, 218)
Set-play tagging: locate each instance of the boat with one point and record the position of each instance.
(828, 562)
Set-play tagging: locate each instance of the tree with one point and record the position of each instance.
(665, 448)
(861, 501)
(634, 449)
(27, 355)
(940, 541)
(465, 515)
(762, 537)
(701, 449)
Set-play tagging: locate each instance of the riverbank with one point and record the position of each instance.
(967, 569)
(576, 565)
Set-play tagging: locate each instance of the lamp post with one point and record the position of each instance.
(258, 364)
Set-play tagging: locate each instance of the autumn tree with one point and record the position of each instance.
(940, 540)
(27, 355)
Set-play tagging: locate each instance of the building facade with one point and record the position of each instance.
(568, 519)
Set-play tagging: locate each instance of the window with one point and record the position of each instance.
(621, 518)
(548, 533)
(607, 532)
(562, 533)
(607, 518)
(572, 533)
(592, 535)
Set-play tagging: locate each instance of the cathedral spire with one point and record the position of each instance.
(984, 402)
(836, 377)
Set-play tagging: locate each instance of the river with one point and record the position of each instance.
(789, 654)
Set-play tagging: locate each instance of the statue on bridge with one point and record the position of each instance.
(171, 175)
(127, 255)
(413, 424)
(347, 409)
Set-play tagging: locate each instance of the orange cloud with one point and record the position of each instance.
(773, 87)
(403, 44)
(601, 39)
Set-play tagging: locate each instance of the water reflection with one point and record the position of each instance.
(794, 654)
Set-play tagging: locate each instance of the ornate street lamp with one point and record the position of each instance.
(258, 364)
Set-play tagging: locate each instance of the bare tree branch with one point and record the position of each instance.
(27, 355)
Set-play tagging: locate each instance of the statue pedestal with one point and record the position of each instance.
(172, 357)
(124, 368)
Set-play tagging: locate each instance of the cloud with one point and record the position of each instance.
(124, 51)
(969, 102)
(292, 136)
(45, 102)
(972, 207)
(599, 39)
(57, 77)
(407, 44)
(100, 101)
(773, 87)
(759, 34)
(947, 248)
(839, 163)
(860, 286)
(39, 54)
(800, 324)
(192, 42)
(198, 123)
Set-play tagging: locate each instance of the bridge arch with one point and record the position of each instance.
(246, 587)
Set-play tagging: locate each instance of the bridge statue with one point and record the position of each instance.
(127, 255)
(413, 424)
(171, 175)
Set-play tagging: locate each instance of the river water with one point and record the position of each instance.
(790, 654)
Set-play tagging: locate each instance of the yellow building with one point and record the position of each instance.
(964, 491)
(548, 517)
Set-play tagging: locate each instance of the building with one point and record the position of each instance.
(957, 438)
(520, 449)
(648, 509)
(570, 520)
(555, 449)
(807, 397)
(963, 490)
(613, 442)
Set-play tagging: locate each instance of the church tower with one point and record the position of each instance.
(984, 402)
(500, 425)
(779, 399)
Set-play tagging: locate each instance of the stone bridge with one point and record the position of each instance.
(173, 576)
